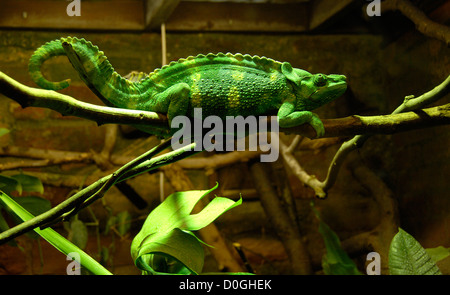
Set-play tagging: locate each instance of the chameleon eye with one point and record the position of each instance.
(320, 80)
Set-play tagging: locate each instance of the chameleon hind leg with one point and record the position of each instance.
(174, 101)
(288, 117)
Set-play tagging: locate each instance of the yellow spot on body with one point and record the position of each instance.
(233, 98)
(237, 76)
(196, 96)
(196, 99)
(273, 77)
(196, 77)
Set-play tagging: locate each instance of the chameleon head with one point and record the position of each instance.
(314, 90)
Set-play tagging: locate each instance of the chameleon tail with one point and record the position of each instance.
(43, 53)
(94, 69)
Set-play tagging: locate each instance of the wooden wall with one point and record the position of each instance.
(414, 165)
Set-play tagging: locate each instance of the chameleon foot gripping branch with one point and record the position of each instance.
(221, 84)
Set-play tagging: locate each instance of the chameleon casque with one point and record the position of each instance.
(221, 84)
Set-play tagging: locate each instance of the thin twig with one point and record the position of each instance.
(299, 172)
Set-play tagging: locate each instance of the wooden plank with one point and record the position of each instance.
(96, 15)
(245, 17)
(324, 10)
(139, 15)
(158, 11)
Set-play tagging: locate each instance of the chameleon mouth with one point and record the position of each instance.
(328, 93)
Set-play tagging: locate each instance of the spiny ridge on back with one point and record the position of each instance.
(243, 60)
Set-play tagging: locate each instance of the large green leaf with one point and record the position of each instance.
(54, 238)
(183, 247)
(408, 257)
(167, 231)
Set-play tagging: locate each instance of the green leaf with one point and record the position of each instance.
(29, 183)
(214, 209)
(9, 185)
(34, 205)
(167, 230)
(408, 257)
(123, 222)
(438, 253)
(335, 261)
(110, 222)
(78, 233)
(179, 245)
(54, 238)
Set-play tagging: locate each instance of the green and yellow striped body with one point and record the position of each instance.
(226, 84)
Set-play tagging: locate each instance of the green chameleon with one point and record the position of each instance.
(220, 84)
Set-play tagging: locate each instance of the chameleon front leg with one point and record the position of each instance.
(289, 117)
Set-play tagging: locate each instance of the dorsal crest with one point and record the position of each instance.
(190, 63)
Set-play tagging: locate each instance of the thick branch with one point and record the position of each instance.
(383, 124)
(423, 24)
(66, 105)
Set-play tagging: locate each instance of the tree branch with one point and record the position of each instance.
(285, 227)
(382, 124)
(423, 24)
(409, 104)
(367, 125)
(85, 197)
(68, 106)
(349, 126)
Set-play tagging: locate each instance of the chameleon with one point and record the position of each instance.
(222, 84)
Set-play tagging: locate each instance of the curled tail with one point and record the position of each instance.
(48, 50)
(94, 69)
